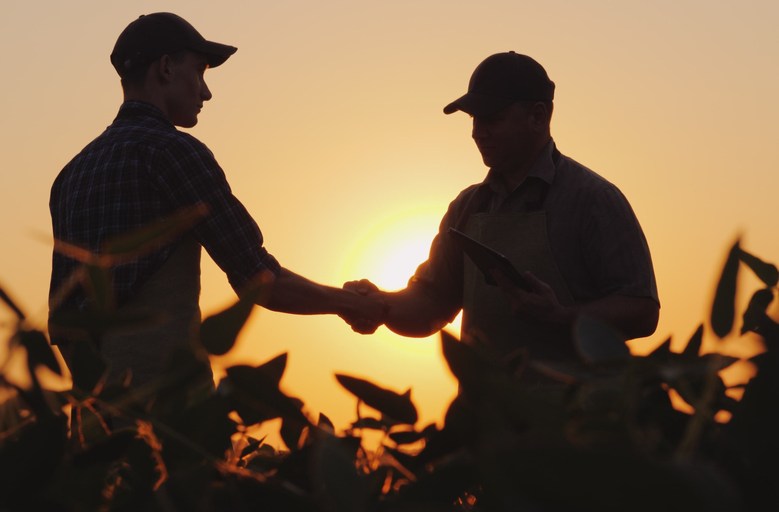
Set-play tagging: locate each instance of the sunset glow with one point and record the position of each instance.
(328, 123)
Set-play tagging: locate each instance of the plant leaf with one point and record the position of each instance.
(371, 424)
(325, 423)
(255, 393)
(39, 352)
(467, 365)
(100, 287)
(407, 436)
(88, 367)
(11, 304)
(693, 348)
(766, 272)
(396, 406)
(130, 246)
(756, 310)
(219, 332)
(663, 350)
(724, 305)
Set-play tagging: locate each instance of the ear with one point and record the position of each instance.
(540, 114)
(164, 69)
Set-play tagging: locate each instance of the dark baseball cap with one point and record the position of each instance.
(153, 35)
(500, 80)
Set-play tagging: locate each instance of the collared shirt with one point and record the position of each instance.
(139, 170)
(596, 240)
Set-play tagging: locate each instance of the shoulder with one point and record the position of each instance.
(466, 194)
(577, 180)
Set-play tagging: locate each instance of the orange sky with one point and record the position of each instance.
(328, 124)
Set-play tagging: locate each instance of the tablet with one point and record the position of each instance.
(487, 259)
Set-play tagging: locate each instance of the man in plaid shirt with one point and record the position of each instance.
(142, 169)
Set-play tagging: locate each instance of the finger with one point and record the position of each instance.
(537, 284)
(367, 286)
(351, 286)
(362, 327)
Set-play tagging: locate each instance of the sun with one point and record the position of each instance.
(391, 248)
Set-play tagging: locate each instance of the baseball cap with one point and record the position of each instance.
(153, 35)
(500, 80)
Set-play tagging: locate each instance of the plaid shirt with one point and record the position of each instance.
(139, 170)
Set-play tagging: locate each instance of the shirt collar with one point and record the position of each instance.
(542, 169)
(134, 108)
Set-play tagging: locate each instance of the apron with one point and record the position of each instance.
(487, 317)
(173, 292)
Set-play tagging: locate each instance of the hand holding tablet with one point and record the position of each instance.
(488, 259)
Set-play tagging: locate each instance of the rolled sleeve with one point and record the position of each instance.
(228, 233)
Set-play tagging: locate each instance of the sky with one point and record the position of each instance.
(328, 123)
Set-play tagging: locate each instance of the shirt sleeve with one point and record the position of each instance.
(189, 175)
(616, 250)
(441, 276)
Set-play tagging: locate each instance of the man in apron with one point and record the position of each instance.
(570, 233)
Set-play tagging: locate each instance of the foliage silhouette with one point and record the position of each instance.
(600, 434)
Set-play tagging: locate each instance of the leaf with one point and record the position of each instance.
(255, 392)
(716, 362)
(766, 272)
(756, 310)
(88, 367)
(39, 352)
(724, 305)
(251, 446)
(11, 304)
(693, 347)
(468, 366)
(100, 287)
(130, 246)
(325, 423)
(273, 369)
(219, 332)
(598, 342)
(663, 350)
(407, 436)
(291, 433)
(396, 406)
(371, 424)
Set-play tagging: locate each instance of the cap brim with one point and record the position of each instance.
(477, 104)
(216, 53)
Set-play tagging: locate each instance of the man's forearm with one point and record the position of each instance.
(293, 293)
(634, 317)
(413, 314)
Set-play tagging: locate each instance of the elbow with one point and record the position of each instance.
(259, 290)
(421, 329)
(645, 321)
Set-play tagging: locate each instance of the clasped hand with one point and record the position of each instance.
(366, 323)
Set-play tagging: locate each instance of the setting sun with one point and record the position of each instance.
(393, 247)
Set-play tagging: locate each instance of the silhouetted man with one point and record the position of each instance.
(571, 232)
(142, 169)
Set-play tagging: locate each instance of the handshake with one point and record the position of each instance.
(369, 311)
